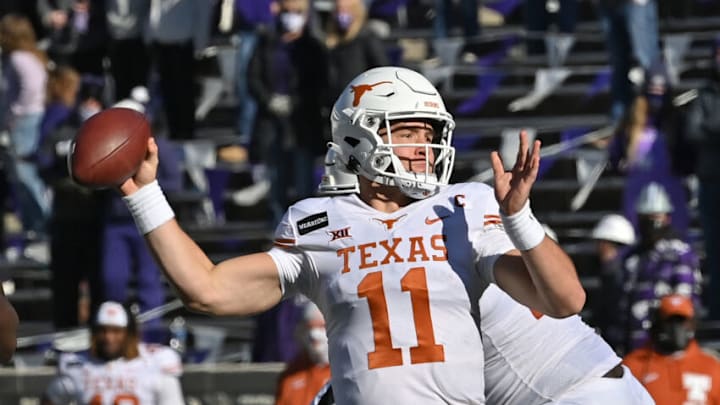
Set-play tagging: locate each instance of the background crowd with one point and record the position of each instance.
(65, 60)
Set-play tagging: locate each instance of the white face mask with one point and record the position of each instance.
(316, 345)
(292, 22)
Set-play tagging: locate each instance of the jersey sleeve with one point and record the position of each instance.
(61, 390)
(169, 391)
(486, 231)
(295, 268)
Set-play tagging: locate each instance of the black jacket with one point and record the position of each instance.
(702, 130)
(307, 82)
(349, 59)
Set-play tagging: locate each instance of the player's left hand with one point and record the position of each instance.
(512, 189)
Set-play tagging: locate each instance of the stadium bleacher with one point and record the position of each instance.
(478, 93)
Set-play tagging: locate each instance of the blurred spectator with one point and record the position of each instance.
(62, 92)
(179, 31)
(305, 375)
(672, 366)
(661, 263)
(77, 33)
(74, 226)
(613, 236)
(246, 18)
(631, 30)
(124, 252)
(23, 100)
(289, 79)
(640, 148)
(129, 58)
(8, 328)
(353, 47)
(540, 14)
(444, 18)
(702, 130)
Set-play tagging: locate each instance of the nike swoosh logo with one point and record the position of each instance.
(430, 221)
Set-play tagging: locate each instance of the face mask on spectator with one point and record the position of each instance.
(651, 229)
(292, 22)
(344, 20)
(316, 345)
(673, 335)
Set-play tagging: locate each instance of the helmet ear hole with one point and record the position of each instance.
(381, 162)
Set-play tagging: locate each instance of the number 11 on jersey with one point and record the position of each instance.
(384, 355)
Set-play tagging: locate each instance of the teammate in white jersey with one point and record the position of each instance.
(533, 359)
(396, 269)
(118, 370)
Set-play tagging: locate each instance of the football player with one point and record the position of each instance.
(530, 358)
(398, 268)
(118, 368)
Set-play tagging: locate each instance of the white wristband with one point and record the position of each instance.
(524, 230)
(149, 207)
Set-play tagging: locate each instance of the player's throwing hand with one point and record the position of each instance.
(146, 173)
(512, 189)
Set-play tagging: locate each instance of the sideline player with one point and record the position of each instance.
(573, 365)
(396, 269)
(118, 369)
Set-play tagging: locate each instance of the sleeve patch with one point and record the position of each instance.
(312, 223)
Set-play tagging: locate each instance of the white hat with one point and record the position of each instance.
(614, 228)
(653, 199)
(112, 314)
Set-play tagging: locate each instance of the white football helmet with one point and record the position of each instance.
(653, 199)
(375, 99)
(614, 228)
(337, 180)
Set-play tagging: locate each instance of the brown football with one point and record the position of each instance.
(109, 148)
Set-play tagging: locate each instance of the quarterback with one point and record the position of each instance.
(398, 268)
(530, 358)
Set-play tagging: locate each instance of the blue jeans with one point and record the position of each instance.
(631, 30)
(288, 168)
(29, 188)
(247, 106)
(709, 200)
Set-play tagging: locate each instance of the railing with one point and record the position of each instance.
(249, 384)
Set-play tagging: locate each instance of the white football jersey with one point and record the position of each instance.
(164, 358)
(139, 381)
(532, 358)
(399, 291)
